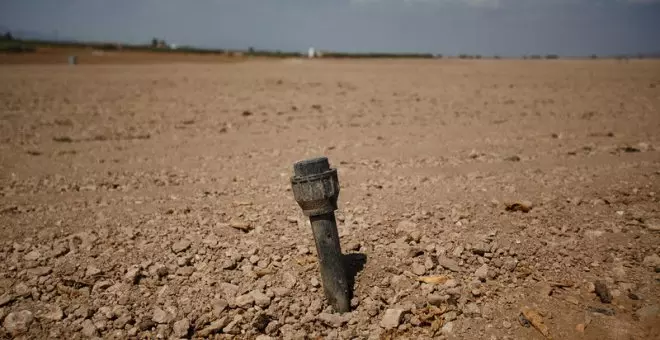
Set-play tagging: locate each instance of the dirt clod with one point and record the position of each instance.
(89, 329)
(18, 323)
(482, 272)
(332, 319)
(181, 328)
(160, 316)
(601, 310)
(524, 206)
(603, 292)
(180, 246)
(53, 313)
(214, 327)
(391, 318)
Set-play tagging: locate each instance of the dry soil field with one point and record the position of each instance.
(153, 201)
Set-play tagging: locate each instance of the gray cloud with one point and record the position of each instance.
(499, 3)
(643, 2)
(471, 3)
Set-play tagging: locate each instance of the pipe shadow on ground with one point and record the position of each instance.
(353, 264)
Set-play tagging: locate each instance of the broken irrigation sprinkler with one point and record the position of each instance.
(315, 187)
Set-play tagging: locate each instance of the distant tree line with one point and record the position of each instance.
(158, 43)
(8, 44)
(251, 51)
(380, 55)
(469, 56)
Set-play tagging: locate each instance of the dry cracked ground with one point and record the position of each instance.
(480, 199)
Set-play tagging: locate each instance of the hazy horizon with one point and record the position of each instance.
(486, 27)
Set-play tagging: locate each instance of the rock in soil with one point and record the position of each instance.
(260, 299)
(54, 313)
(133, 275)
(181, 328)
(332, 320)
(215, 327)
(448, 263)
(482, 272)
(6, 299)
(448, 328)
(524, 206)
(146, 324)
(391, 318)
(180, 246)
(160, 316)
(89, 329)
(601, 310)
(652, 260)
(245, 301)
(18, 323)
(603, 292)
(261, 321)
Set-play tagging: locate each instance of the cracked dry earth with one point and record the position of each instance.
(490, 199)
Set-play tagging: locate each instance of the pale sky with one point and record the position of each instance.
(487, 27)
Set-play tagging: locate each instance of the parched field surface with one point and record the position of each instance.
(153, 201)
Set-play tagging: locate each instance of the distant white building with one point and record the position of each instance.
(311, 53)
